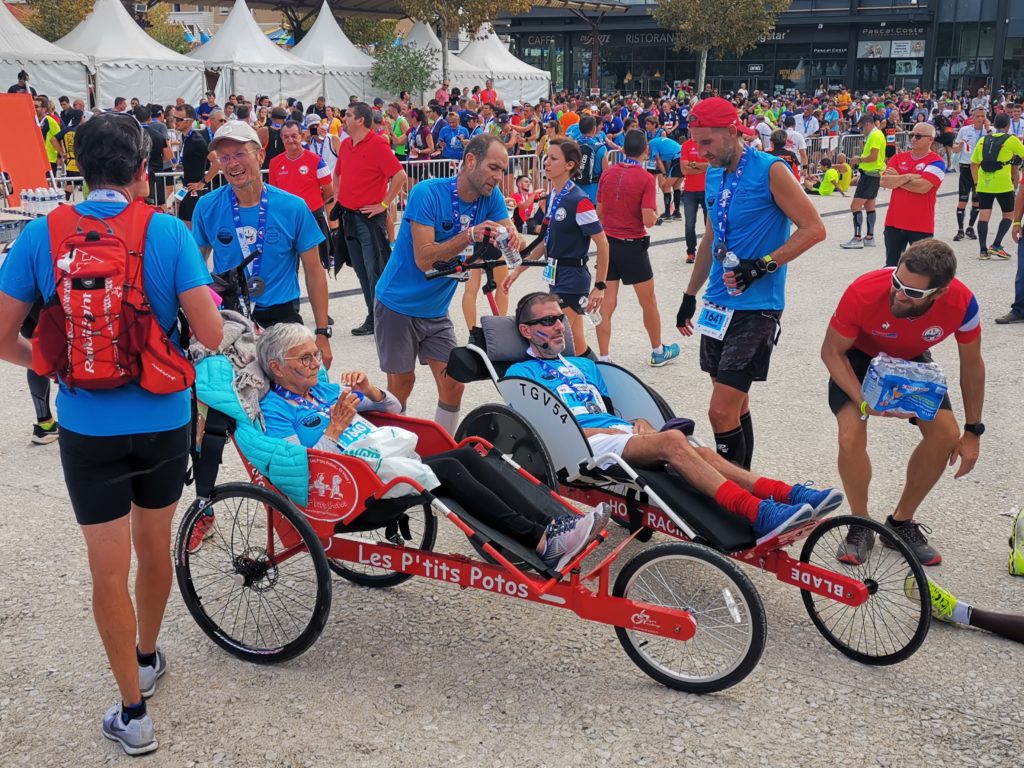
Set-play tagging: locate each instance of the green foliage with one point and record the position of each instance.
(465, 14)
(163, 31)
(370, 32)
(400, 68)
(52, 19)
(718, 26)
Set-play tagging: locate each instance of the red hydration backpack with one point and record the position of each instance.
(99, 331)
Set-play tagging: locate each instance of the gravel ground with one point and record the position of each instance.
(424, 676)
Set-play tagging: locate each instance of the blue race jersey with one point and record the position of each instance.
(454, 142)
(172, 265)
(291, 229)
(665, 148)
(403, 287)
(578, 383)
(757, 226)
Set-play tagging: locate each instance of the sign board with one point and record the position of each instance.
(873, 49)
(908, 49)
(595, 91)
(755, 69)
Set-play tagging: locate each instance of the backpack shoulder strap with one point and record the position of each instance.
(60, 224)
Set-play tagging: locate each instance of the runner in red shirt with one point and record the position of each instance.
(627, 205)
(914, 178)
(488, 95)
(306, 175)
(695, 170)
(904, 312)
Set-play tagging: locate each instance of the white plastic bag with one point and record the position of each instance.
(391, 453)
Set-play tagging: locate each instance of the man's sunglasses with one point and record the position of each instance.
(547, 321)
(911, 293)
(921, 136)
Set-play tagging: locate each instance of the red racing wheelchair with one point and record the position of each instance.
(254, 568)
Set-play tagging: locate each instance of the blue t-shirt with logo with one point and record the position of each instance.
(291, 229)
(454, 142)
(172, 265)
(403, 287)
(578, 382)
(665, 148)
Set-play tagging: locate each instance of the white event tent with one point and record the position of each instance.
(128, 62)
(461, 74)
(513, 79)
(251, 64)
(346, 68)
(51, 70)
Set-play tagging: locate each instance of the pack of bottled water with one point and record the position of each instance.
(41, 200)
(905, 387)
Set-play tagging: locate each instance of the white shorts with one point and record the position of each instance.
(616, 444)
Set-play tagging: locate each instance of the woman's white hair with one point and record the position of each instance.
(275, 342)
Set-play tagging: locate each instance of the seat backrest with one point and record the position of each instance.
(631, 398)
(503, 342)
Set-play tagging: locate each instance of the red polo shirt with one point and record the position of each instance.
(302, 176)
(623, 192)
(695, 182)
(363, 171)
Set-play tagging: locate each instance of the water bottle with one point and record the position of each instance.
(594, 317)
(28, 201)
(512, 257)
(729, 263)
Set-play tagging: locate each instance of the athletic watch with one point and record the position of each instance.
(328, 332)
(977, 429)
(770, 264)
(600, 285)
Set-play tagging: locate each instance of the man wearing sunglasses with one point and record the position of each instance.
(903, 312)
(914, 178)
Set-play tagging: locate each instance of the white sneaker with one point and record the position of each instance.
(149, 675)
(869, 242)
(136, 737)
(853, 242)
(567, 535)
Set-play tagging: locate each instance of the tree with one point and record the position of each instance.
(370, 33)
(52, 19)
(718, 26)
(400, 68)
(160, 28)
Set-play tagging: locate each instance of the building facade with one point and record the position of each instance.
(862, 44)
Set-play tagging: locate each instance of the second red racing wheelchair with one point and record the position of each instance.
(862, 610)
(253, 559)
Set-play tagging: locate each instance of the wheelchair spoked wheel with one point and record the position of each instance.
(422, 527)
(894, 621)
(256, 580)
(731, 623)
(511, 434)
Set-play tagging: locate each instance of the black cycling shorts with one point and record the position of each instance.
(860, 361)
(745, 353)
(675, 171)
(577, 302)
(1005, 199)
(106, 475)
(867, 187)
(268, 316)
(629, 261)
(966, 188)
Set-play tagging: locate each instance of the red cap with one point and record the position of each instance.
(716, 112)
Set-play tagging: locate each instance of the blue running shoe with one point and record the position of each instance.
(668, 352)
(135, 737)
(775, 518)
(823, 500)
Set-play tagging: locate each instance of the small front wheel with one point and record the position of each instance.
(731, 624)
(253, 573)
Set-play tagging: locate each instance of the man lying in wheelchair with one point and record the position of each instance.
(772, 507)
(302, 406)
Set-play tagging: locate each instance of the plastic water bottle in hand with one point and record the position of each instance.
(729, 263)
(512, 257)
(594, 317)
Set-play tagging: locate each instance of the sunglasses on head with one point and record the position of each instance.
(911, 293)
(547, 321)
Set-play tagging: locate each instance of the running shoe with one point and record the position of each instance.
(366, 329)
(677, 216)
(943, 602)
(602, 514)
(853, 242)
(775, 518)
(135, 737)
(690, 258)
(45, 435)
(567, 535)
(822, 500)
(970, 233)
(984, 256)
(202, 528)
(958, 236)
(869, 242)
(148, 675)
(660, 221)
(668, 353)
(913, 535)
(854, 549)
(999, 253)
(1009, 318)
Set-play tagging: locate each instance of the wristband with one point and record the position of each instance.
(384, 205)
(1016, 224)
(863, 410)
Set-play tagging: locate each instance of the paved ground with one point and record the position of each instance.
(422, 675)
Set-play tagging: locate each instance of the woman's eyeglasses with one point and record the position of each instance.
(547, 321)
(911, 293)
(310, 359)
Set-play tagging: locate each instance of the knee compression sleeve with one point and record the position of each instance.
(747, 425)
(871, 223)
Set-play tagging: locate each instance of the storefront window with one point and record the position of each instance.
(544, 52)
(1013, 65)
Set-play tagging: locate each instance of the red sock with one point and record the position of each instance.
(736, 500)
(766, 488)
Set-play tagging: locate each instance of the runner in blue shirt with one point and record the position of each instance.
(452, 138)
(665, 152)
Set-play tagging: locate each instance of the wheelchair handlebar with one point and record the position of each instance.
(457, 266)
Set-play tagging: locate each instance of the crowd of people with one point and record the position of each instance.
(268, 189)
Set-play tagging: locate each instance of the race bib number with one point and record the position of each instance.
(713, 321)
(357, 429)
(550, 270)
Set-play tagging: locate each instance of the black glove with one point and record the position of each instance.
(748, 271)
(686, 310)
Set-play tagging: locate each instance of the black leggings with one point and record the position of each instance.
(490, 493)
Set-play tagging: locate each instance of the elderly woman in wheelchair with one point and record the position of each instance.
(771, 506)
(302, 406)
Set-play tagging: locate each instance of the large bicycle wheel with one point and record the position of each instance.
(511, 434)
(257, 580)
(894, 620)
(421, 526)
(731, 624)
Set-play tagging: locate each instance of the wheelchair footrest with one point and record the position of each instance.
(508, 546)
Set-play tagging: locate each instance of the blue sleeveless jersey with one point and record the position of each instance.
(757, 226)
